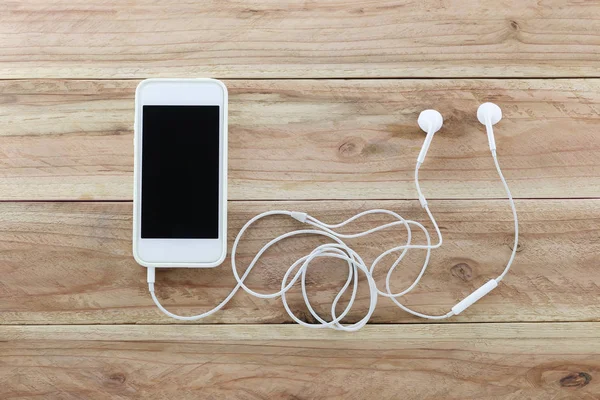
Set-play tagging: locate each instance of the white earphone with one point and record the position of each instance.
(430, 121)
(489, 114)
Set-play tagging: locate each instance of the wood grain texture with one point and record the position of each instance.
(71, 263)
(315, 139)
(290, 39)
(76, 319)
(452, 361)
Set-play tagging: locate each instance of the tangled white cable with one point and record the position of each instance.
(430, 121)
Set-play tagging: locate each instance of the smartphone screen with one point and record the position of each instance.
(180, 172)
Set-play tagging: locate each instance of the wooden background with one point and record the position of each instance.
(324, 98)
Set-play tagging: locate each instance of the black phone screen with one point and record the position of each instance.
(180, 172)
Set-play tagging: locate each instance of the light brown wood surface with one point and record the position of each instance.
(71, 263)
(76, 319)
(457, 361)
(298, 39)
(316, 139)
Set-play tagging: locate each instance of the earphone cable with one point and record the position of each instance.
(338, 249)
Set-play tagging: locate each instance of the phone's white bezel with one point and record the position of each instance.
(185, 253)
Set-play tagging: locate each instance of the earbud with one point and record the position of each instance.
(489, 114)
(430, 121)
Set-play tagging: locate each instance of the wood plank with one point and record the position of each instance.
(71, 263)
(453, 361)
(287, 39)
(315, 139)
(292, 332)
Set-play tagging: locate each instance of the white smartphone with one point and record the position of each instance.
(180, 173)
